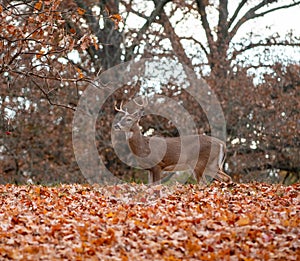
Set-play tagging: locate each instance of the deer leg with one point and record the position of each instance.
(154, 175)
(223, 177)
(200, 177)
(214, 167)
(150, 177)
(198, 172)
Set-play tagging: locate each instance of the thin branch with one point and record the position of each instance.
(129, 9)
(251, 14)
(88, 15)
(262, 44)
(95, 28)
(49, 99)
(277, 8)
(237, 11)
(198, 42)
(175, 40)
(27, 74)
(156, 12)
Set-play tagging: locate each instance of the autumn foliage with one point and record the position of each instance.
(136, 222)
(52, 50)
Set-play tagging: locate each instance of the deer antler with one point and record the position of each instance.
(120, 109)
(144, 102)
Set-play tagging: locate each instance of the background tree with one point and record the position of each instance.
(51, 50)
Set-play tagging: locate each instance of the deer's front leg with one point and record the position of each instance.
(154, 175)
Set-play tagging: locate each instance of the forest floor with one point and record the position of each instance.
(253, 221)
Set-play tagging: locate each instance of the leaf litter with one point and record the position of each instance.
(253, 221)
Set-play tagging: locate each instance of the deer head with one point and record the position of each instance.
(130, 121)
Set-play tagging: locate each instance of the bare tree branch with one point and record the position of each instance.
(198, 42)
(46, 94)
(156, 12)
(262, 44)
(251, 14)
(237, 11)
(277, 8)
(131, 10)
(175, 40)
(88, 15)
(201, 8)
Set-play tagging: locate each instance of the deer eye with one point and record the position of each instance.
(128, 120)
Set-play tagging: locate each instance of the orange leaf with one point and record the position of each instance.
(79, 250)
(244, 220)
(80, 73)
(72, 31)
(80, 11)
(71, 44)
(110, 214)
(40, 54)
(11, 29)
(85, 42)
(37, 190)
(38, 5)
(116, 17)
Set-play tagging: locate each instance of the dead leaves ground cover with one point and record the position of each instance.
(137, 222)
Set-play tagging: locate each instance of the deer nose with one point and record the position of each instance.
(117, 126)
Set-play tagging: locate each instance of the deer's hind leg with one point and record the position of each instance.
(223, 177)
(198, 173)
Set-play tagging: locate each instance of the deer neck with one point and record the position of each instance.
(137, 141)
(133, 132)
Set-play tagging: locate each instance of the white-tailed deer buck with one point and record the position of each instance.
(204, 155)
